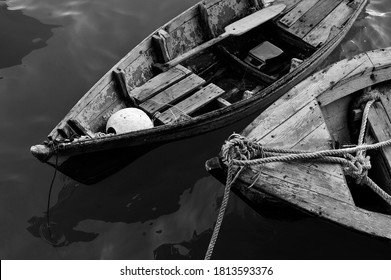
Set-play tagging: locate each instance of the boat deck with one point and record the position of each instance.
(315, 21)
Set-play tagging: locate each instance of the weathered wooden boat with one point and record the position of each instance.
(189, 78)
(323, 113)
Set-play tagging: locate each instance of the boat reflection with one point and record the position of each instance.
(178, 217)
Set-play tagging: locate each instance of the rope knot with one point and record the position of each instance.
(358, 167)
(370, 95)
(238, 147)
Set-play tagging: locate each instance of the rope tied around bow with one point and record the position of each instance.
(239, 152)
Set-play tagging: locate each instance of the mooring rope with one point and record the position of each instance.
(239, 151)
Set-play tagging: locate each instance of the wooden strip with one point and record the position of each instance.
(335, 19)
(159, 83)
(381, 128)
(120, 79)
(204, 21)
(173, 93)
(222, 103)
(290, 18)
(162, 45)
(312, 18)
(192, 103)
(290, 4)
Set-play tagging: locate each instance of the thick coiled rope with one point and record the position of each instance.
(239, 152)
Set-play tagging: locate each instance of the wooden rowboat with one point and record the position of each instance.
(189, 78)
(325, 112)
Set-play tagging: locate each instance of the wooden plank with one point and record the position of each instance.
(313, 17)
(318, 139)
(310, 177)
(290, 18)
(173, 93)
(294, 129)
(192, 103)
(335, 19)
(381, 128)
(319, 204)
(160, 83)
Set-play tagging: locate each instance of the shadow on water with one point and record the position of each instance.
(20, 34)
(175, 208)
(126, 203)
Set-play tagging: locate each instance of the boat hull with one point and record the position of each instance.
(308, 117)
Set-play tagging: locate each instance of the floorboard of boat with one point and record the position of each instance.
(304, 129)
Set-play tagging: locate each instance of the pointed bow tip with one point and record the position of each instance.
(41, 152)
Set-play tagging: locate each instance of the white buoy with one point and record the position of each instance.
(128, 120)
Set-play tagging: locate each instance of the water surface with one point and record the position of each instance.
(164, 204)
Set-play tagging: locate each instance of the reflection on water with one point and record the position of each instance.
(178, 217)
(19, 35)
(371, 31)
(162, 206)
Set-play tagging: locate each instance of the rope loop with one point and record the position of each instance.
(241, 148)
(358, 167)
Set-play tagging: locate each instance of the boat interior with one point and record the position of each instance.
(343, 119)
(230, 72)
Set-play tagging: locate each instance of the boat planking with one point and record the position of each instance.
(325, 112)
(209, 89)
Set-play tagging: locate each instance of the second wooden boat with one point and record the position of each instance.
(324, 147)
(217, 62)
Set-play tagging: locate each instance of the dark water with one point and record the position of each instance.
(161, 206)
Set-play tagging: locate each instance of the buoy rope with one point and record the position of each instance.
(239, 152)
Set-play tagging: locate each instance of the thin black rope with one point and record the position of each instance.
(49, 196)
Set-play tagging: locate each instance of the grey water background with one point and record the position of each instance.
(162, 206)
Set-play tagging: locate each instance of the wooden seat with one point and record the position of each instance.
(189, 105)
(159, 83)
(172, 94)
(315, 20)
